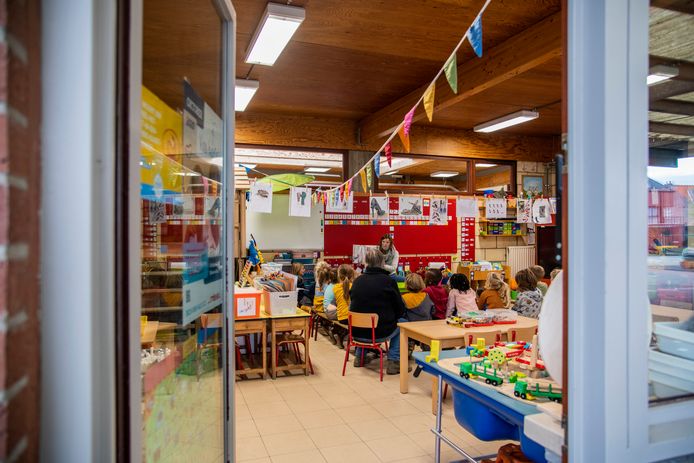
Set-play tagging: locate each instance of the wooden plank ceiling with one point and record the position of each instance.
(353, 59)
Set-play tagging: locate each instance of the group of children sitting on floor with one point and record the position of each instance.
(428, 298)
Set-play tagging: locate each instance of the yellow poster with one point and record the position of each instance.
(161, 147)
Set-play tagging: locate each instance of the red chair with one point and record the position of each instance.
(289, 339)
(363, 320)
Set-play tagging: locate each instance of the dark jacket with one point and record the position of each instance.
(376, 292)
(419, 306)
(439, 297)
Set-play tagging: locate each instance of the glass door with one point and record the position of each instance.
(184, 111)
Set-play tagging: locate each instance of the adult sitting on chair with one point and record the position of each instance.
(375, 292)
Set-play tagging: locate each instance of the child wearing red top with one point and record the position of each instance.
(437, 293)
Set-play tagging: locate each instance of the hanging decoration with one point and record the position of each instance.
(428, 100)
(369, 176)
(362, 175)
(389, 154)
(377, 166)
(475, 36)
(451, 70)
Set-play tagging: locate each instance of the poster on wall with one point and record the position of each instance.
(203, 284)
(299, 202)
(410, 206)
(466, 207)
(341, 205)
(378, 207)
(438, 211)
(524, 211)
(495, 208)
(260, 198)
(541, 211)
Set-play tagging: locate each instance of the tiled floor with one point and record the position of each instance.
(330, 418)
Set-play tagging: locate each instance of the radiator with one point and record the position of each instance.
(520, 257)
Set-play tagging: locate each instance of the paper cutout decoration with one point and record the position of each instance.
(299, 202)
(343, 205)
(362, 176)
(377, 166)
(369, 175)
(378, 208)
(474, 35)
(389, 154)
(495, 208)
(553, 205)
(428, 100)
(410, 207)
(541, 211)
(261, 198)
(451, 70)
(466, 207)
(438, 211)
(524, 207)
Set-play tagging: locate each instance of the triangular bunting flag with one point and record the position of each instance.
(405, 139)
(362, 175)
(377, 166)
(369, 175)
(451, 70)
(389, 154)
(428, 100)
(474, 35)
(407, 126)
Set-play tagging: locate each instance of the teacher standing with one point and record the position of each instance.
(390, 254)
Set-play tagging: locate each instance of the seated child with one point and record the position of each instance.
(345, 277)
(436, 292)
(496, 294)
(539, 275)
(321, 283)
(419, 305)
(461, 298)
(299, 270)
(329, 302)
(529, 299)
(553, 274)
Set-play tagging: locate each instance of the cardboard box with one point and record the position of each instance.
(246, 303)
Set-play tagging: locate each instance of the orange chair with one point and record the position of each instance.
(364, 320)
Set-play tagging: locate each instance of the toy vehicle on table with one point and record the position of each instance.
(490, 374)
(528, 389)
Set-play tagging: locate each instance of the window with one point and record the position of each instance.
(494, 176)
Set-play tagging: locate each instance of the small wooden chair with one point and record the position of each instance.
(489, 338)
(522, 334)
(289, 339)
(363, 320)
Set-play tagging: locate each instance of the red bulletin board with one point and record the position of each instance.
(414, 237)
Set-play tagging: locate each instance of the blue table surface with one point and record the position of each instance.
(432, 368)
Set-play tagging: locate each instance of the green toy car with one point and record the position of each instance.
(529, 391)
(490, 374)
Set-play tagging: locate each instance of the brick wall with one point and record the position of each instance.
(20, 104)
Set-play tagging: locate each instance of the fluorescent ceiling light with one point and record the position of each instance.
(243, 93)
(484, 164)
(317, 169)
(507, 121)
(319, 174)
(392, 172)
(276, 28)
(444, 174)
(661, 73)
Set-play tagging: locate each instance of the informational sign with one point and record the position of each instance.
(466, 207)
(467, 239)
(495, 208)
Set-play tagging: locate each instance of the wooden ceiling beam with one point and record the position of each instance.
(685, 68)
(671, 129)
(681, 6)
(684, 108)
(296, 131)
(520, 53)
(669, 89)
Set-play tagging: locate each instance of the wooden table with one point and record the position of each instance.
(252, 326)
(278, 323)
(149, 334)
(448, 336)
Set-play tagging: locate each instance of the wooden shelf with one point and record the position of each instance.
(161, 290)
(494, 236)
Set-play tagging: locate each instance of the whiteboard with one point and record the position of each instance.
(278, 231)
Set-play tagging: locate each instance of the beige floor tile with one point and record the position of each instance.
(284, 382)
(241, 412)
(421, 459)
(277, 424)
(359, 413)
(350, 453)
(259, 460)
(319, 419)
(344, 399)
(297, 392)
(290, 442)
(409, 424)
(269, 409)
(310, 456)
(264, 395)
(398, 407)
(427, 441)
(395, 448)
(250, 448)
(375, 429)
(311, 404)
(246, 428)
(333, 436)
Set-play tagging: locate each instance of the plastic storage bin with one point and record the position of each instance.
(280, 303)
(674, 339)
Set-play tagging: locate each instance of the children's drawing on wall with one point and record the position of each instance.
(378, 207)
(541, 211)
(260, 198)
(344, 205)
(410, 206)
(524, 210)
(495, 208)
(300, 202)
(466, 207)
(438, 211)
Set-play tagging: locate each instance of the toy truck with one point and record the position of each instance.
(526, 389)
(490, 374)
